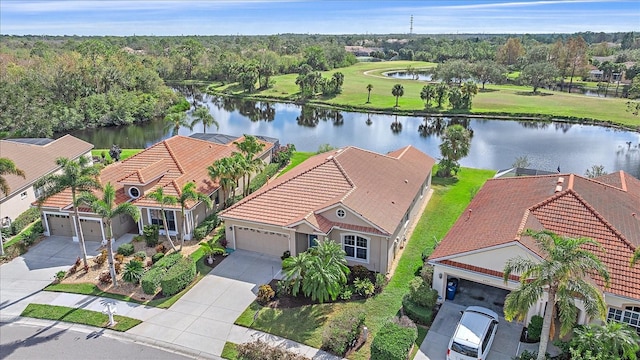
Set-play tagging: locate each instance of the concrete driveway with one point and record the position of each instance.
(203, 318)
(434, 347)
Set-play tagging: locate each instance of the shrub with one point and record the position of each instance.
(265, 294)
(140, 255)
(60, 275)
(223, 241)
(156, 257)
(359, 272)
(199, 233)
(417, 313)
(133, 271)
(381, 282)
(393, 341)
(178, 277)
(151, 234)
(283, 288)
(364, 287)
(160, 248)
(118, 267)
(258, 350)
(285, 254)
(150, 281)
(426, 273)
(206, 226)
(261, 179)
(105, 277)
(125, 249)
(346, 293)
(421, 293)
(101, 259)
(168, 261)
(24, 219)
(535, 328)
(119, 258)
(343, 331)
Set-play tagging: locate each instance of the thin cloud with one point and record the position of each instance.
(519, 4)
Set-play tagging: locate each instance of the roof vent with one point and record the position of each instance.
(329, 157)
(558, 188)
(406, 181)
(560, 180)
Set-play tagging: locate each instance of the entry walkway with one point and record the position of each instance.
(198, 324)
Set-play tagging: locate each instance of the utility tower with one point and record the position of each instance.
(411, 26)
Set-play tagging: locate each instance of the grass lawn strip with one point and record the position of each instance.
(305, 324)
(297, 158)
(78, 316)
(125, 154)
(229, 351)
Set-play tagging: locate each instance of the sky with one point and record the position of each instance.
(261, 17)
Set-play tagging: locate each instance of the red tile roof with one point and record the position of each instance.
(379, 188)
(170, 164)
(606, 209)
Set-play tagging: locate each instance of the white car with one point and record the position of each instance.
(474, 334)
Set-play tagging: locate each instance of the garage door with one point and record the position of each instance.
(60, 225)
(91, 230)
(261, 241)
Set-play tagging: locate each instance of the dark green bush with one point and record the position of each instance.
(535, 328)
(342, 331)
(168, 261)
(181, 106)
(156, 257)
(206, 226)
(150, 281)
(417, 313)
(258, 350)
(261, 179)
(24, 219)
(125, 249)
(133, 271)
(421, 293)
(359, 272)
(394, 341)
(151, 233)
(426, 273)
(199, 233)
(178, 277)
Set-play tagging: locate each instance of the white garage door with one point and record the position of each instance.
(59, 225)
(261, 241)
(91, 230)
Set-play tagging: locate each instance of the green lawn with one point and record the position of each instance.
(125, 154)
(305, 324)
(297, 158)
(497, 100)
(229, 351)
(78, 316)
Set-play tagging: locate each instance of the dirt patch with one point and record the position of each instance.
(124, 288)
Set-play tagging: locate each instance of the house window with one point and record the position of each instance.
(340, 213)
(406, 219)
(134, 192)
(313, 240)
(356, 247)
(627, 316)
(23, 195)
(156, 219)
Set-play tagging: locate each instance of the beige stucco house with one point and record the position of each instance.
(487, 234)
(37, 158)
(360, 199)
(169, 164)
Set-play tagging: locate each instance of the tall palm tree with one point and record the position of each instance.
(564, 273)
(612, 340)
(79, 176)
(455, 145)
(397, 91)
(201, 114)
(369, 88)
(428, 92)
(107, 209)
(7, 167)
(159, 196)
(250, 147)
(175, 121)
(189, 193)
(219, 172)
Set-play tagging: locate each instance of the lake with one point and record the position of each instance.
(495, 143)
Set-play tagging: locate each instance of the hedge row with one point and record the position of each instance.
(394, 341)
(24, 219)
(417, 313)
(209, 223)
(261, 179)
(178, 277)
(151, 280)
(342, 331)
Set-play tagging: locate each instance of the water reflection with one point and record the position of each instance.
(420, 75)
(436, 125)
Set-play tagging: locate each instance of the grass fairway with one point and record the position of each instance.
(78, 316)
(507, 100)
(305, 324)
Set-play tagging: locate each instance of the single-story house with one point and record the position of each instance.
(488, 233)
(37, 158)
(169, 164)
(360, 199)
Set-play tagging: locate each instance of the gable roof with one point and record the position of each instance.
(169, 164)
(378, 188)
(605, 209)
(37, 157)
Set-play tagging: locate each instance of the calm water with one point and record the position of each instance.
(422, 76)
(495, 143)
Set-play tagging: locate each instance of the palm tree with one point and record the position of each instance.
(219, 172)
(294, 269)
(428, 92)
(7, 167)
(106, 208)
(250, 147)
(79, 176)
(564, 273)
(189, 193)
(158, 196)
(175, 121)
(369, 88)
(201, 114)
(613, 340)
(397, 91)
(455, 145)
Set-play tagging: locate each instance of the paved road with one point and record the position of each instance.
(18, 341)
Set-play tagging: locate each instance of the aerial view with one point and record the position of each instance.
(320, 179)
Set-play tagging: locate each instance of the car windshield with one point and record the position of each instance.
(464, 349)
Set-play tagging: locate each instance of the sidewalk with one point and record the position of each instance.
(197, 325)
